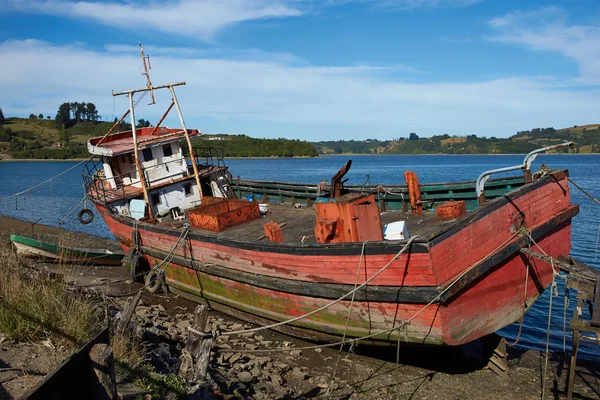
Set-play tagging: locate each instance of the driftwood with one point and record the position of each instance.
(196, 355)
(103, 381)
(128, 313)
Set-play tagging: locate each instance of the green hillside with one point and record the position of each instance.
(39, 138)
(586, 138)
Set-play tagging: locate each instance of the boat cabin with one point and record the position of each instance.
(168, 177)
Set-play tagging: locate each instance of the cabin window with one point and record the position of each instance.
(167, 150)
(187, 188)
(156, 198)
(123, 159)
(147, 154)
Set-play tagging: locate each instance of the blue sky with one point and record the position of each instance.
(313, 70)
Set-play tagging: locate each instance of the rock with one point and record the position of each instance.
(245, 377)
(318, 350)
(296, 353)
(259, 338)
(235, 357)
(277, 379)
(250, 346)
(183, 325)
(262, 361)
(236, 327)
(266, 343)
(283, 367)
(298, 374)
(160, 307)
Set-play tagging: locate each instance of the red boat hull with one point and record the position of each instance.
(454, 286)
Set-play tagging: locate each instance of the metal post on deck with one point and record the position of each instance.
(138, 164)
(189, 143)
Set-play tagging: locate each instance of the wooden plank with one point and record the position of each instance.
(596, 314)
(103, 380)
(70, 380)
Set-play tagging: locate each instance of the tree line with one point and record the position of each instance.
(70, 114)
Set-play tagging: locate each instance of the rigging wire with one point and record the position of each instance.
(44, 182)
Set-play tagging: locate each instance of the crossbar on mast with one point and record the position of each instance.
(170, 85)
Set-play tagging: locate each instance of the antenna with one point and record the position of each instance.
(147, 66)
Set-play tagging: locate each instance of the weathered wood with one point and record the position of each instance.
(103, 381)
(196, 355)
(129, 310)
(596, 313)
(70, 380)
(203, 359)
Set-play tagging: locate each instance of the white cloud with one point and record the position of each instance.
(316, 102)
(194, 18)
(546, 29)
(408, 4)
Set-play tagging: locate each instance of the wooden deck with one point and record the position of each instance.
(300, 223)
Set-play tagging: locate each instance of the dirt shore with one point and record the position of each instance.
(360, 373)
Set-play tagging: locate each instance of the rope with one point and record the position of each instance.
(595, 200)
(337, 362)
(70, 212)
(46, 181)
(386, 192)
(355, 340)
(162, 264)
(553, 287)
(524, 308)
(597, 241)
(289, 321)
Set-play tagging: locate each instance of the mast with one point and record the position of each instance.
(146, 68)
(138, 164)
(189, 143)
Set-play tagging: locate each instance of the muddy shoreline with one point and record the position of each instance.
(362, 372)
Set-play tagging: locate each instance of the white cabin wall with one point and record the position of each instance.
(128, 169)
(165, 168)
(174, 196)
(108, 173)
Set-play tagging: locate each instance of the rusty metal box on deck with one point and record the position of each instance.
(217, 214)
(353, 217)
(451, 209)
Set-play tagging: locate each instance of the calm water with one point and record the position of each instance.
(51, 203)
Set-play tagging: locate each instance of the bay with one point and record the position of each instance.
(57, 203)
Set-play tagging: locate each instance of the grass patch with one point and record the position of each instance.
(35, 307)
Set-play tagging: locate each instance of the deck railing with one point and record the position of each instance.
(104, 189)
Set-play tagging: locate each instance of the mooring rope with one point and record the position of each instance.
(337, 362)
(595, 200)
(44, 182)
(162, 265)
(289, 321)
(552, 288)
(354, 340)
(524, 308)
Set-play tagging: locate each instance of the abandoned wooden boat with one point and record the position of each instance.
(450, 273)
(34, 248)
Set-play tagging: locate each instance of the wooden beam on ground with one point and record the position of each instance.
(103, 381)
(128, 312)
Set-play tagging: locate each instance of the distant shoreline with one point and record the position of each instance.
(320, 155)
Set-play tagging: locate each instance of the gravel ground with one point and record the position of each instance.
(362, 373)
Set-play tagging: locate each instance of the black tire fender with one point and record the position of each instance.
(86, 220)
(154, 281)
(138, 267)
